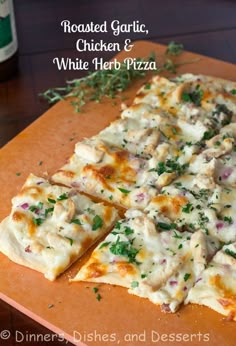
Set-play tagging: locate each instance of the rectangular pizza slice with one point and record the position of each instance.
(51, 226)
(216, 286)
(155, 264)
(193, 98)
(110, 173)
(150, 132)
(196, 202)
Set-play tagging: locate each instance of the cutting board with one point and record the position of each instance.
(71, 309)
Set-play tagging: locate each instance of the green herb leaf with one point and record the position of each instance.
(104, 244)
(174, 48)
(187, 276)
(70, 240)
(209, 134)
(177, 236)
(228, 219)
(166, 226)
(124, 190)
(62, 197)
(170, 166)
(233, 91)
(230, 253)
(95, 289)
(40, 205)
(128, 231)
(147, 86)
(124, 248)
(97, 222)
(187, 208)
(38, 221)
(33, 208)
(48, 210)
(98, 84)
(134, 284)
(50, 200)
(76, 221)
(194, 97)
(98, 297)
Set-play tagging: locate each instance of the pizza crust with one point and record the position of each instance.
(52, 226)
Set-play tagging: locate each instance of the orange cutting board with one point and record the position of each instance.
(72, 310)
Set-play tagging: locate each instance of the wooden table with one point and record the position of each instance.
(205, 27)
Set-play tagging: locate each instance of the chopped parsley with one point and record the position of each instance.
(117, 225)
(186, 276)
(230, 253)
(228, 219)
(51, 200)
(128, 231)
(95, 289)
(209, 134)
(124, 190)
(70, 240)
(50, 306)
(147, 86)
(104, 244)
(48, 210)
(62, 197)
(177, 236)
(222, 108)
(187, 208)
(76, 221)
(166, 226)
(170, 166)
(233, 91)
(38, 221)
(98, 297)
(134, 284)
(97, 222)
(194, 96)
(125, 249)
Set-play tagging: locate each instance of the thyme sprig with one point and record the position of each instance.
(109, 83)
(97, 84)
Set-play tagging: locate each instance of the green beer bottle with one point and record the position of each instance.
(8, 40)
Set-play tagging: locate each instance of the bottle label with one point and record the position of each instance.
(8, 41)
(5, 30)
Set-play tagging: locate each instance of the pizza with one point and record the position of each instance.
(168, 163)
(216, 286)
(160, 266)
(51, 226)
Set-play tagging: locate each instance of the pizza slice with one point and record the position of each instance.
(50, 226)
(216, 286)
(193, 97)
(145, 131)
(110, 173)
(196, 202)
(155, 264)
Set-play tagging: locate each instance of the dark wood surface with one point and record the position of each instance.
(205, 27)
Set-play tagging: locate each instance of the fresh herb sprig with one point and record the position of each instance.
(94, 86)
(109, 83)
